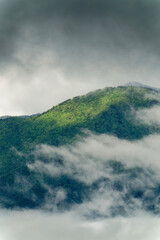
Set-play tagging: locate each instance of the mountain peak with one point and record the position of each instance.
(137, 84)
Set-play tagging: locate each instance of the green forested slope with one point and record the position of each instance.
(102, 111)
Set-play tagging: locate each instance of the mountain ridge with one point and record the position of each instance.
(94, 111)
(105, 111)
(129, 84)
(137, 84)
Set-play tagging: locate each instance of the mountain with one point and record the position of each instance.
(22, 116)
(102, 111)
(106, 111)
(137, 84)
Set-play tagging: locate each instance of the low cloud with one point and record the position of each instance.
(38, 225)
(87, 159)
(122, 179)
(121, 176)
(150, 116)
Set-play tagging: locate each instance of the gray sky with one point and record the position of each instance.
(51, 50)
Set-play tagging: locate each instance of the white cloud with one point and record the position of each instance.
(34, 84)
(87, 159)
(150, 116)
(38, 225)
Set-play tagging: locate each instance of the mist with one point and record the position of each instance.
(149, 116)
(120, 198)
(38, 225)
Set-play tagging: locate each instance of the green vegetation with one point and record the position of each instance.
(102, 111)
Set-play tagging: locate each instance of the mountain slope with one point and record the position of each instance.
(137, 84)
(103, 111)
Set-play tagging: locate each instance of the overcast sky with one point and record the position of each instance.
(51, 50)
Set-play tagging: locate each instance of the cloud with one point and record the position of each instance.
(149, 116)
(123, 203)
(90, 155)
(38, 225)
(121, 176)
(74, 20)
(100, 175)
(54, 50)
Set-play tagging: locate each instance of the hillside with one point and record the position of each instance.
(102, 111)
